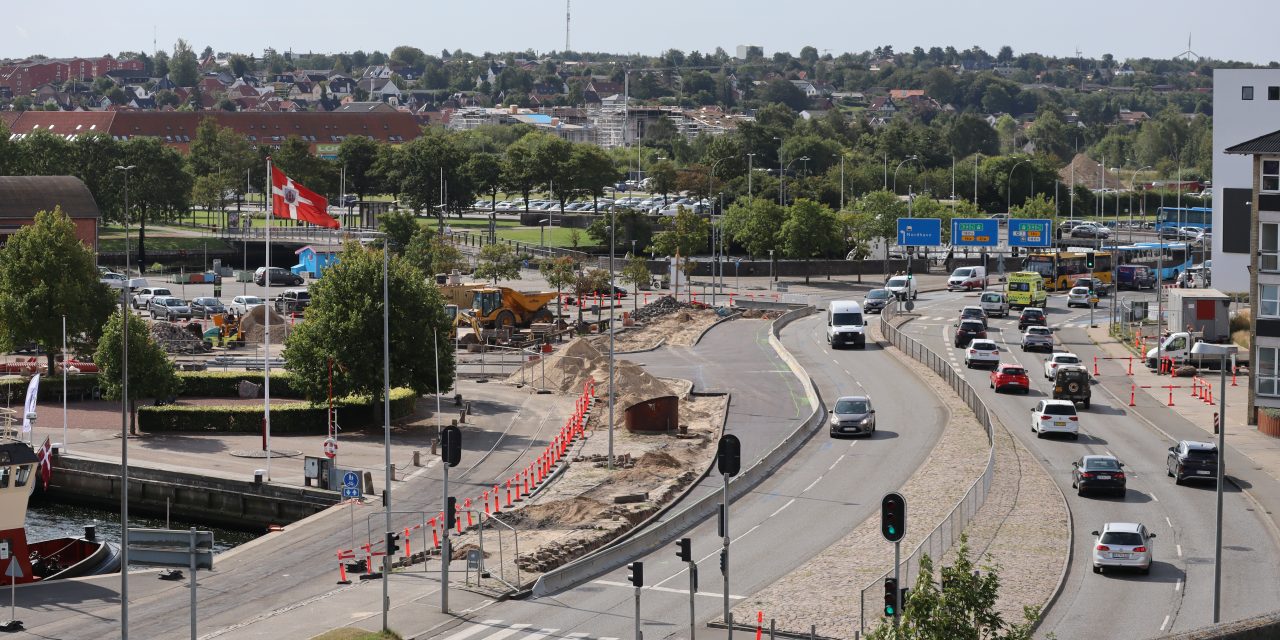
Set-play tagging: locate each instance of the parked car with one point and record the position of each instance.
(241, 305)
(1036, 338)
(207, 307)
(1191, 460)
(169, 308)
(279, 275)
(1098, 473)
(1090, 230)
(1059, 360)
(1055, 416)
(994, 303)
(1072, 383)
(969, 330)
(1122, 545)
(853, 415)
(876, 300)
(1031, 316)
(982, 353)
(293, 301)
(142, 299)
(1010, 376)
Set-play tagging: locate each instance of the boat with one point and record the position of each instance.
(53, 559)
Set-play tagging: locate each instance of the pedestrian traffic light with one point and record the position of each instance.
(393, 546)
(451, 445)
(893, 517)
(729, 455)
(890, 596)
(637, 573)
(684, 549)
(451, 513)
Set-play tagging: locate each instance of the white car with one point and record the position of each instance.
(1061, 359)
(1079, 297)
(982, 353)
(1055, 416)
(902, 287)
(1123, 545)
(241, 305)
(142, 299)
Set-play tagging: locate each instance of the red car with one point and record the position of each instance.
(1010, 376)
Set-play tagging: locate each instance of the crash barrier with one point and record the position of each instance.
(947, 532)
(518, 487)
(705, 508)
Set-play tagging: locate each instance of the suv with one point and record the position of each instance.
(876, 300)
(169, 308)
(1061, 360)
(982, 352)
(1055, 416)
(1038, 337)
(1122, 545)
(1070, 383)
(279, 275)
(293, 301)
(1031, 316)
(994, 303)
(1191, 460)
(969, 330)
(142, 299)
(974, 313)
(853, 415)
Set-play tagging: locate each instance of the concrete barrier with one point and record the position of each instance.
(1263, 627)
(614, 556)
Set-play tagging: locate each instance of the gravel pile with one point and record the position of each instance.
(664, 306)
(176, 338)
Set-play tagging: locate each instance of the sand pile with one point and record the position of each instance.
(568, 370)
(252, 325)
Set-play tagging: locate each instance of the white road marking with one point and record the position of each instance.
(611, 583)
(1170, 522)
(1179, 547)
(833, 464)
(1153, 497)
(1164, 624)
(539, 634)
(783, 507)
(816, 481)
(473, 630)
(1177, 586)
(510, 631)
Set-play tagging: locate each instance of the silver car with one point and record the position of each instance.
(169, 308)
(1122, 545)
(853, 416)
(1079, 297)
(1037, 337)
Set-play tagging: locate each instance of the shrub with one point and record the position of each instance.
(14, 387)
(1240, 321)
(225, 384)
(289, 417)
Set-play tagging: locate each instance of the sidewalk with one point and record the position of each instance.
(1263, 451)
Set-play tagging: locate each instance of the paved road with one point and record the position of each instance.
(1177, 595)
(824, 491)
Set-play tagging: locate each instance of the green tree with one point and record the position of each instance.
(1037, 206)
(159, 188)
(498, 262)
(431, 254)
(400, 227)
(965, 608)
(756, 225)
(682, 235)
(592, 170)
(519, 171)
(46, 273)
(151, 373)
(359, 155)
(662, 178)
(587, 282)
(239, 65)
(559, 273)
(184, 69)
(635, 273)
(876, 219)
(811, 230)
(344, 326)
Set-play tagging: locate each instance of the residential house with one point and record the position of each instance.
(380, 88)
(341, 85)
(1132, 118)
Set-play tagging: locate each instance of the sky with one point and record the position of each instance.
(1240, 30)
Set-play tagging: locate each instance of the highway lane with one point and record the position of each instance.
(277, 572)
(1177, 594)
(819, 495)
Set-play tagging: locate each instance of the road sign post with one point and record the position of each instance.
(13, 572)
(173, 548)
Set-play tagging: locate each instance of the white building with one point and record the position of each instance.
(1246, 104)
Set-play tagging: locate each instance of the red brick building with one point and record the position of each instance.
(20, 78)
(21, 197)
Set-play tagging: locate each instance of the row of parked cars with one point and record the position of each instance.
(161, 304)
(654, 205)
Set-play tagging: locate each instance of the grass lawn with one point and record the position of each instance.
(349, 633)
(555, 236)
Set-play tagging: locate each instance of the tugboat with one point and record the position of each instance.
(51, 559)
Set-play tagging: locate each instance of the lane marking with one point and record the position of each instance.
(611, 583)
(782, 507)
(1170, 522)
(1177, 586)
(473, 630)
(1179, 549)
(833, 464)
(1153, 497)
(1164, 624)
(816, 481)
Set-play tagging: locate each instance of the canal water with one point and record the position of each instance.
(49, 520)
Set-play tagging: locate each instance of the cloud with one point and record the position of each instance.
(22, 31)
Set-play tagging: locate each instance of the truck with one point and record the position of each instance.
(845, 324)
(1135, 277)
(1178, 345)
(504, 308)
(1203, 312)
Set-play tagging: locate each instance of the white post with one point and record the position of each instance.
(64, 377)
(266, 323)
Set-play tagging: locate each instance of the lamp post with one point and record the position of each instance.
(842, 180)
(542, 231)
(1222, 351)
(613, 234)
(711, 207)
(1132, 180)
(750, 195)
(782, 192)
(782, 180)
(1008, 185)
(895, 172)
(124, 420)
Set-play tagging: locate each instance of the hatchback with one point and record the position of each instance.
(1191, 460)
(1122, 545)
(968, 330)
(1010, 376)
(1031, 316)
(974, 313)
(1059, 360)
(1055, 416)
(1080, 297)
(207, 307)
(853, 415)
(983, 353)
(1098, 473)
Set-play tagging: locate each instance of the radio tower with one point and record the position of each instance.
(566, 25)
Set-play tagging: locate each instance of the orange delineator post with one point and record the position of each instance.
(508, 492)
(467, 502)
(456, 519)
(435, 533)
(407, 551)
(1171, 387)
(1130, 366)
(1096, 373)
(342, 566)
(485, 499)
(1133, 391)
(1233, 376)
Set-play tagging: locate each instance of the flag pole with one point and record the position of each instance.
(266, 316)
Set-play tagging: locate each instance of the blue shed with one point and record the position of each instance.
(313, 261)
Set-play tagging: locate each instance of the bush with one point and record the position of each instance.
(1240, 321)
(288, 418)
(14, 387)
(225, 384)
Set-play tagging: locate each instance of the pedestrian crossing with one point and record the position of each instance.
(499, 630)
(1011, 324)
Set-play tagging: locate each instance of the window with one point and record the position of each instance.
(1246, 93)
(1266, 373)
(1269, 247)
(1269, 301)
(1273, 93)
(1271, 175)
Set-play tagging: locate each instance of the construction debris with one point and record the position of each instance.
(176, 338)
(252, 326)
(663, 306)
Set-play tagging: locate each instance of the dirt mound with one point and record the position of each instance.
(659, 460)
(254, 329)
(569, 369)
(559, 514)
(664, 306)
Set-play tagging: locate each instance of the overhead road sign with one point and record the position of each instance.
(919, 232)
(975, 232)
(1030, 232)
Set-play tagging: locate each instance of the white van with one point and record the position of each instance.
(845, 324)
(967, 278)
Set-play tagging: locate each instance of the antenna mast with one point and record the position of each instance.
(566, 25)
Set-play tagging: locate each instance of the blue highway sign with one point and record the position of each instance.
(919, 232)
(1030, 233)
(975, 232)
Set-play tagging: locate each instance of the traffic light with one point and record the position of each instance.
(451, 445)
(890, 597)
(637, 573)
(893, 517)
(684, 549)
(1088, 260)
(393, 546)
(909, 276)
(729, 455)
(451, 513)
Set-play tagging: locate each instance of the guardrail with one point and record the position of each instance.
(945, 534)
(480, 237)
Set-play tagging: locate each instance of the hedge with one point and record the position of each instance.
(14, 387)
(301, 418)
(225, 384)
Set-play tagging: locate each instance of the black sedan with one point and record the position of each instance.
(207, 307)
(1098, 473)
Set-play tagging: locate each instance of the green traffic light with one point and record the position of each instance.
(888, 611)
(893, 530)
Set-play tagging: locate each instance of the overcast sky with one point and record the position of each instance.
(1222, 29)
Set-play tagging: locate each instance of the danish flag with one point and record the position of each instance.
(296, 202)
(46, 462)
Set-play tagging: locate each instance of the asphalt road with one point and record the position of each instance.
(825, 490)
(1177, 595)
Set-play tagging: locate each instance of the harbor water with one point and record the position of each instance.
(49, 520)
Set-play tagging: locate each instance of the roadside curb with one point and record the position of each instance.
(715, 324)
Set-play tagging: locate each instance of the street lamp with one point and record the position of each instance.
(782, 191)
(124, 419)
(1008, 184)
(750, 195)
(895, 171)
(1132, 180)
(711, 207)
(782, 181)
(842, 179)
(1222, 351)
(542, 231)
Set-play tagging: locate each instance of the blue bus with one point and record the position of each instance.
(1176, 218)
(1166, 260)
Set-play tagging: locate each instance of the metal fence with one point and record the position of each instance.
(478, 238)
(947, 532)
